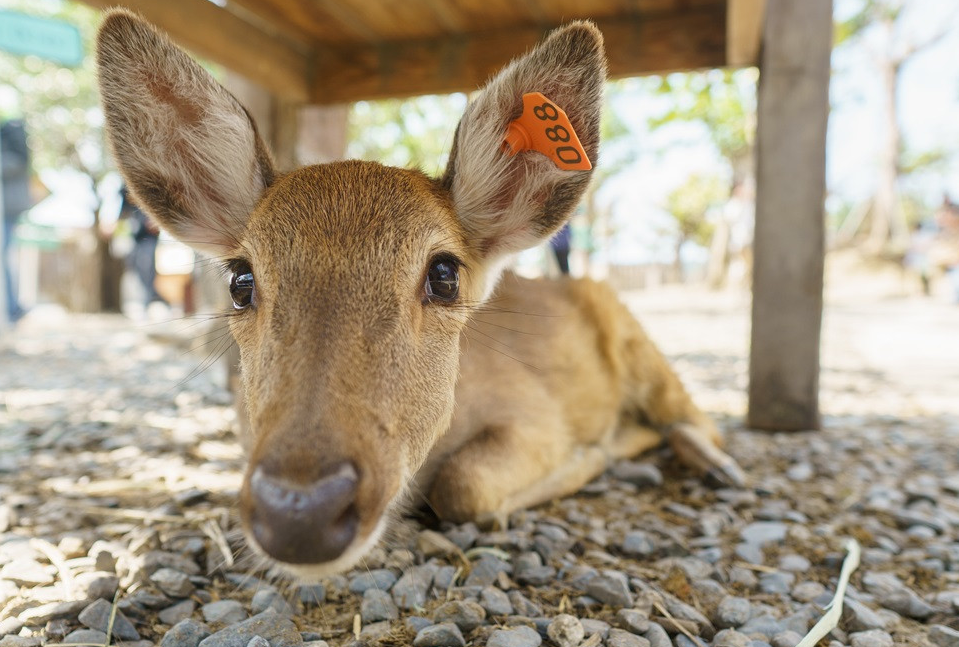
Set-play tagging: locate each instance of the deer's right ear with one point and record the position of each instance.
(189, 151)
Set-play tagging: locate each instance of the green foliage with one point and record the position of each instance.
(410, 133)
(722, 100)
(690, 203)
(60, 104)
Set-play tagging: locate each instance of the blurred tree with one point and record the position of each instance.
(724, 102)
(61, 107)
(690, 204)
(894, 46)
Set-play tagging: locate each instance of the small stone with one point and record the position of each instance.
(750, 553)
(372, 632)
(621, 638)
(807, 591)
(258, 641)
(871, 638)
(186, 633)
(174, 583)
(731, 638)
(411, 589)
(657, 636)
(633, 620)
(377, 606)
(495, 601)
(416, 623)
(97, 616)
(593, 626)
(764, 532)
(463, 535)
(732, 611)
(907, 603)
(22, 641)
(523, 606)
(465, 615)
(944, 636)
(858, 617)
(610, 587)
(641, 475)
(312, 595)
(566, 630)
(270, 599)
(486, 570)
(516, 637)
(178, 612)
(441, 635)
(800, 472)
(278, 630)
(40, 615)
(381, 578)
(786, 639)
(794, 563)
(777, 582)
(434, 544)
(27, 573)
(97, 584)
(764, 624)
(637, 543)
(227, 612)
(81, 636)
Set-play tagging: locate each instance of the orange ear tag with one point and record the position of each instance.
(544, 127)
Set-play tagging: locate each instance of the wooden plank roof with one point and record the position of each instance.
(334, 51)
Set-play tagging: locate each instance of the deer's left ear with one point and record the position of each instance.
(511, 202)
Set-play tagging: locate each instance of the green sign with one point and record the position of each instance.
(53, 40)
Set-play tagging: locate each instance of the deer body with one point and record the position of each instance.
(378, 346)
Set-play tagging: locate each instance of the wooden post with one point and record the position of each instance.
(788, 274)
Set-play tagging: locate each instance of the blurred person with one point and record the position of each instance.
(15, 157)
(944, 250)
(560, 244)
(143, 256)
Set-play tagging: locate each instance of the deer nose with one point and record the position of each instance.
(308, 523)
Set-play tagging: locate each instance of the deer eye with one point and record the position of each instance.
(443, 279)
(241, 286)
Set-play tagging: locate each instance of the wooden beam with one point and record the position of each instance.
(744, 28)
(278, 64)
(793, 109)
(690, 39)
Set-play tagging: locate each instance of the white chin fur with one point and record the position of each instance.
(313, 572)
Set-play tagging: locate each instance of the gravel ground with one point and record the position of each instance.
(118, 476)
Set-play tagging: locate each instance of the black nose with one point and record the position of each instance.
(304, 524)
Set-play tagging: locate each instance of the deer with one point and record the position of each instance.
(384, 348)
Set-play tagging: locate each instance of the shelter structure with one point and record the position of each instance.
(297, 56)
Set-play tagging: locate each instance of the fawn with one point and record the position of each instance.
(381, 350)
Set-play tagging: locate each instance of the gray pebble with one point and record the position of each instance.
(279, 630)
(523, 606)
(764, 532)
(785, 639)
(871, 638)
(258, 641)
(657, 636)
(495, 601)
(807, 591)
(96, 584)
(227, 612)
(271, 599)
(764, 624)
(463, 535)
(777, 582)
(312, 595)
(610, 587)
(639, 474)
(637, 543)
(381, 578)
(416, 623)
(377, 606)
(621, 638)
(906, 602)
(858, 617)
(731, 638)
(186, 633)
(86, 636)
(593, 626)
(566, 630)
(486, 569)
(732, 611)
(97, 616)
(410, 591)
(372, 632)
(944, 636)
(177, 612)
(794, 563)
(750, 553)
(174, 583)
(441, 635)
(516, 637)
(465, 615)
(633, 620)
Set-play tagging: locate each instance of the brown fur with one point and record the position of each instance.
(487, 405)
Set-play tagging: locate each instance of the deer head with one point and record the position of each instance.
(350, 281)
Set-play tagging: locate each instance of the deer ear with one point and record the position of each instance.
(508, 203)
(189, 151)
